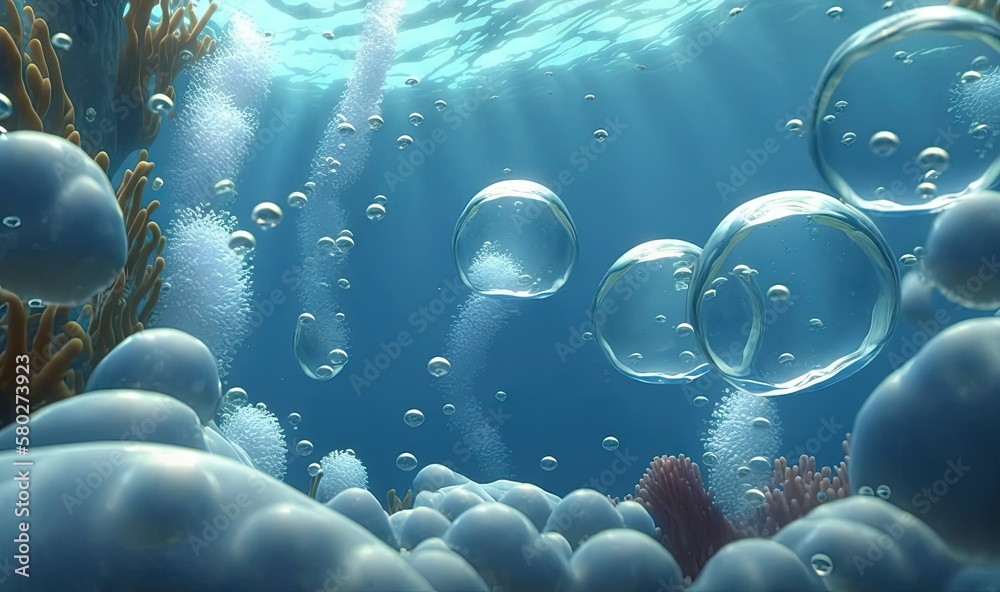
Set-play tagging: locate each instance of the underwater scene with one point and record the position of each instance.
(499, 295)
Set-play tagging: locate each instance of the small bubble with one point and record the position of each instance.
(412, 81)
(297, 200)
(413, 418)
(660, 319)
(708, 295)
(346, 129)
(225, 187)
(438, 367)
(36, 303)
(848, 138)
(406, 461)
(600, 135)
(866, 490)
(900, 55)
(90, 115)
(404, 141)
(380, 200)
(6, 107)
(375, 122)
(548, 463)
(186, 55)
(266, 215)
(343, 284)
(839, 107)
(416, 118)
(735, 11)
(815, 323)
(754, 497)
(884, 144)
(933, 158)
(610, 443)
(344, 243)
(821, 564)
(761, 423)
(778, 293)
(908, 260)
(157, 184)
(340, 316)
(785, 359)
(160, 104)
(62, 41)
(242, 242)
(294, 419)
(375, 212)
(440, 105)
(11, 222)
(313, 469)
(328, 35)
(883, 492)
(506, 171)
(794, 125)
(235, 397)
(834, 12)
(501, 396)
(709, 459)
(829, 118)
(981, 64)
(448, 409)
(304, 448)
(337, 357)
(971, 77)
(589, 97)
(587, 336)
(700, 401)
(684, 329)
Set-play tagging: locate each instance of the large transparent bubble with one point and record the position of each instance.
(529, 225)
(640, 316)
(962, 253)
(920, 91)
(793, 290)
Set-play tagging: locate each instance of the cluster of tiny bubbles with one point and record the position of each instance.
(266, 215)
(90, 115)
(548, 463)
(304, 448)
(600, 135)
(294, 419)
(313, 469)
(501, 396)
(297, 200)
(917, 117)
(821, 564)
(413, 418)
(6, 107)
(406, 461)
(242, 242)
(375, 212)
(639, 314)
(157, 184)
(412, 81)
(519, 229)
(375, 122)
(416, 119)
(225, 187)
(62, 41)
(343, 284)
(11, 222)
(821, 259)
(160, 104)
(610, 444)
(448, 409)
(314, 360)
(589, 97)
(438, 366)
(404, 141)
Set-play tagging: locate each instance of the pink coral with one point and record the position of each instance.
(692, 528)
(799, 489)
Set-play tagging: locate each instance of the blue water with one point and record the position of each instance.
(713, 90)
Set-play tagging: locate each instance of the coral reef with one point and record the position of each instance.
(114, 78)
(394, 504)
(799, 489)
(692, 527)
(61, 362)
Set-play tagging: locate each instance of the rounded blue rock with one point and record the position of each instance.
(62, 237)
